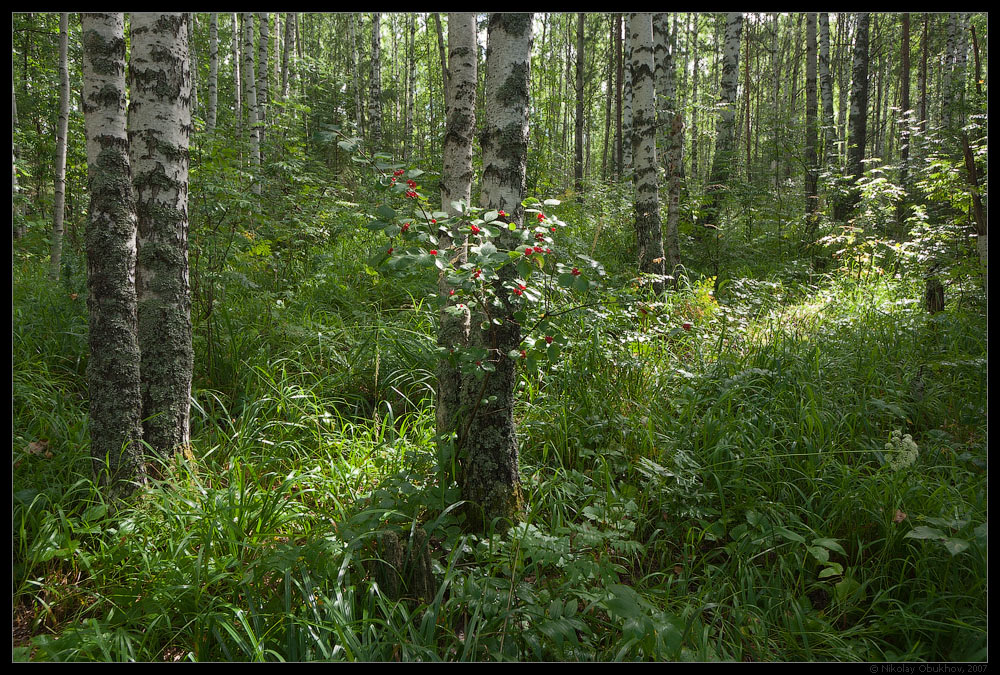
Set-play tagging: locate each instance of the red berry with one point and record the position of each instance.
(405, 227)
(475, 230)
(548, 339)
(576, 272)
(390, 250)
(541, 217)
(501, 213)
(527, 251)
(433, 222)
(433, 251)
(686, 326)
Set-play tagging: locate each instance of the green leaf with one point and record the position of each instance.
(553, 352)
(552, 202)
(490, 216)
(581, 285)
(834, 569)
(924, 532)
(386, 212)
(955, 545)
(566, 280)
(831, 544)
(625, 603)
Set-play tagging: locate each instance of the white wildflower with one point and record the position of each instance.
(901, 451)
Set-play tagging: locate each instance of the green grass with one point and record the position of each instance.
(719, 493)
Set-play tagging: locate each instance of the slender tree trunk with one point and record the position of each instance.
(859, 113)
(907, 117)
(722, 160)
(842, 61)
(696, 70)
(159, 132)
(578, 137)
(644, 173)
(193, 61)
(113, 367)
(238, 88)
(456, 186)
(213, 70)
(609, 100)
(444, 63)
(411, 83)
(286, 52)
(375, 86)
(263, 94)
(619, 60)
(670, 124)
(491, 482)
(812, 133)
(355, 77)
(59, 208)
(826, 91)
(250, 91)
(627, 108)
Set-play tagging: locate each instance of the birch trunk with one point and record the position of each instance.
(456, 186)
(859, 99)
(237, 88)
(159, 131)
(670, 123)
(213, 70)
(826, 90)
(286, 52)
(113, 367)
(644, 174)
(263, 22)
(59, 207)
(375, 85)
(411, 82)
(578, 135)
(722, 159)
(491, 482)
(627, 110)
(250, 91)
(355, 78)
(812, 133)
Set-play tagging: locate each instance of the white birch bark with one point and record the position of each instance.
(213, 70)
(250, 95)
(826, 90)
(238, 88)
(812, 132)
(670, 124)
(159, 129)
(456, 186)
(643, 142)
(263, 22)
(491, 482)
(113, 367)
(720, 173)
(59, 207)
(375, 93)
(355, 76)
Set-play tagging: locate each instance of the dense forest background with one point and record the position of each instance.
(747, 395)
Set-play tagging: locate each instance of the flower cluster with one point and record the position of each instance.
(901, 451)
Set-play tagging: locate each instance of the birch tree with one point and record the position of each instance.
(724, 137)
(578, 131)
(237, 88)
(456, 186)
(62, 130)
(811, 160)
(113, 381)
(159, 129)
(263, 39)
(670, 123)
(643, 141)
(859, 111)
(250, 94)
(491, 482)
(213, 70)
(826, 90)
(375, 93)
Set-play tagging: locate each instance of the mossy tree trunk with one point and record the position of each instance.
(159, 133)
(491, 482)
(113, 366)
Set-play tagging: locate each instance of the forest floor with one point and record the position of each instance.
(788, 469)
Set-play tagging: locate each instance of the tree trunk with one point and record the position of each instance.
(159, 133)
(263, 96)
(456, 186)
(238, 85)
(578, 136)
(627, 108)
(858, 117)
(59, 208)
(907, 118)
(113, 366)
(250, 90)
(213, 70)
(722, 160)
(411, 81)
(644, 174)
(286, 52)
(670, 123)
(826, 91)
(812, 163)
(355, 78)
(375, 85)
(619, 143)
(491, 482)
